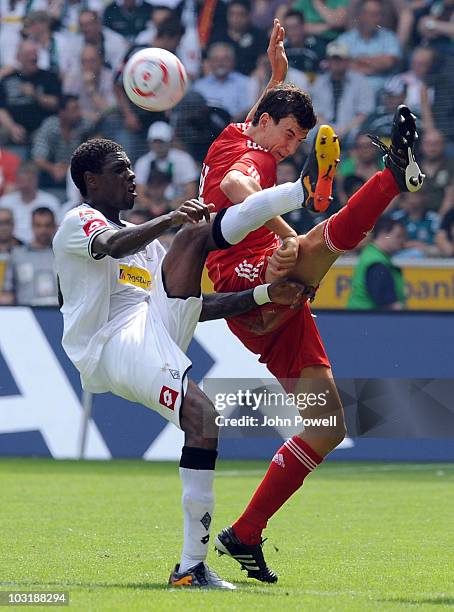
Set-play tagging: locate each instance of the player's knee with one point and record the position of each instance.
(198, 421)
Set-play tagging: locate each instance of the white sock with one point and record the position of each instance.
(258, 208)
(198, 504)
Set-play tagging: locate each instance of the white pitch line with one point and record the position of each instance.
(440, 467)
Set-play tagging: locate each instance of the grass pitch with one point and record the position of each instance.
(356, 537)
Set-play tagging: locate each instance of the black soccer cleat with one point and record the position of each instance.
(200, 576)
(317, 175)
(399, 157)
(250, 557)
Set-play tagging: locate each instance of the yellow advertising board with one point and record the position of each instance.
(429, 284)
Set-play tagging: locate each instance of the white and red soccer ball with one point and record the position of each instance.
(154, 79)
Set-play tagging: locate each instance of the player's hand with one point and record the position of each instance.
(191, 211)
(284, 258)
(288, 293)
(276, 53)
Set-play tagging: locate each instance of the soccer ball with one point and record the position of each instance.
(154, 79)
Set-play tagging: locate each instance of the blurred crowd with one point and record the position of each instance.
(61, 82)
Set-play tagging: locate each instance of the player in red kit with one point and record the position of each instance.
(240, 164)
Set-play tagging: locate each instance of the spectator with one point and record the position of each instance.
(111, 46)
(197, 124)
(30, 274)
(264, 11)
(7, 242)
(8, 238)
(212, 20)
(66, 12)
(398, 16)
(437, 28)
(301, 220)
(374, 50)
(438, 112)
(178, 164)
(128, 18)
(27, 96)
(393, 94)
(325, 19)
(445, 236)
(155, 200)
(300, 54)
(420, 224)
(93, 83)
(26, 199)
(259, 79)
(56, 140)
(9, 163)
(421, 64)
(377, 282)
(247, 41)
(11, 21)
(439, 171)
(223, 87)
(363, 161)
(56, 50)
(342, 97)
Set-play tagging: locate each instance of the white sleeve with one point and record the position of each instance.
(79, 229)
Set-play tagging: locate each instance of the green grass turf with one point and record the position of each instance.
(357, 537)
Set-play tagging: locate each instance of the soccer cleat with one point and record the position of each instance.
(249, 557)
(399, 157)
(318, 172)
(200, 576)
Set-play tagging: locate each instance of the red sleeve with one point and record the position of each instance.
(260, 165)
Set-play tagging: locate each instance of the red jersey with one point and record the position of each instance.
(234, 150)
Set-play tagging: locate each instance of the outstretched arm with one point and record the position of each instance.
(129, 240)
(278, 60)
(225, 305)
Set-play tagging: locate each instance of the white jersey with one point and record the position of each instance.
(101, 295)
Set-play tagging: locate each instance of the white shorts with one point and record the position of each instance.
(146, 362)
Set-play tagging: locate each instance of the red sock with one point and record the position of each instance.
(286, 473)
(345, 229)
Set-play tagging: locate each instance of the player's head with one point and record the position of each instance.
(283, 119)
(389, 235)
(101, 171)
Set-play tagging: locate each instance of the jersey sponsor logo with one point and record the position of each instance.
(139, 277)
(86, 214)
(253, 145)
(93, 225)
(249, 271)
(253, 172)
(168, 397)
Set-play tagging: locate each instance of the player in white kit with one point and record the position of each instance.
(130, 310)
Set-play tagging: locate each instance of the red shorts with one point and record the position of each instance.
(293, 343)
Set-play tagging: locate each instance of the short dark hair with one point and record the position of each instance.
(294, 13)
(244, 3)
(171, 26)
(90, 157)
(385, 225)
(43, 210)
(287, 100)
(65, 99)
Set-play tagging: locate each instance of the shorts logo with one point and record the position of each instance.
(92, 226)
(249, 271)
(168, 397)
(139, 277)
(175, 374)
